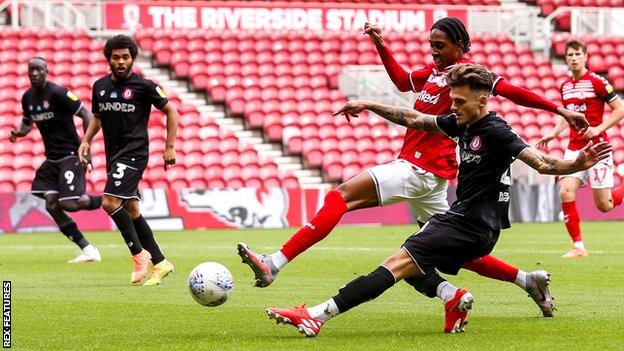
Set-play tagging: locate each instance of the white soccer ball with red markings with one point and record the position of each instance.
(211, 284)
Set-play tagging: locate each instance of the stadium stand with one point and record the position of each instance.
(207, 155)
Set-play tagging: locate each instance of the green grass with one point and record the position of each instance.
(57, 306)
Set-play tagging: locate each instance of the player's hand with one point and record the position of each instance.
(575, 119)
(591, 133)
(351, 109)
(84, 154)
(374, 32)
(592, 154)
(169, 157)
(14, 134)
(543, 142)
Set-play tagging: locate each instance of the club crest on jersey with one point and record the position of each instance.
(113, 95)
(476, 143)
(127, 93)
(102, 92)
(46, 104)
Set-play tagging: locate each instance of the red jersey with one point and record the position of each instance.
(433, 152)
(587, 95)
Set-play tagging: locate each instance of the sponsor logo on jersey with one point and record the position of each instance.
(44, 116)
(102, 92)
(160, 92)
(439, 80)
(46, 104)
(577, 108)
(116, 106)
(428, 98)
(72, 96)
(127, 93)
(113, 95)
(476, 143)
(469, 157)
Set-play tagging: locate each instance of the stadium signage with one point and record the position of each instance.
(231, 15)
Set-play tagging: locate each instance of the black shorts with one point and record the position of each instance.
(124, 175)
(65, 177)
(448, 241)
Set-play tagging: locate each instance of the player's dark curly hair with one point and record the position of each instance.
(455, 30)
(120, 42)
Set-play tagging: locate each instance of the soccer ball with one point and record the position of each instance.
(210, 284)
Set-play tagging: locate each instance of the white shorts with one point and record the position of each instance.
(600, 176)
(400, 180)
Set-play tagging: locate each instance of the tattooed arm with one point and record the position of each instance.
(545, 164)
(406, 117)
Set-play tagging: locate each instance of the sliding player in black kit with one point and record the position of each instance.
(121, 104)
(60, 180)
(470, 228)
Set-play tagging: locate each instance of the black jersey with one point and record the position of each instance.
(487, 149)
(123, 107)
(52, 109)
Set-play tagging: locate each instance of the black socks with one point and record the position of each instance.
(364, 288)
(122, 219)
(146, 237)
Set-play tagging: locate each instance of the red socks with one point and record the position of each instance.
(617, 194)
(318, 228)
(491, 267)
(572, 220)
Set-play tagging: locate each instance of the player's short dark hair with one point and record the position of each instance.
(121, 42)
(575, 44)
(455, 30)
(471, 75)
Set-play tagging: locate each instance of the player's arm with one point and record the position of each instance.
(24, 128)
(561, 125)
(617, 113)
(172, 131)
(92, 129)
(546, 164)
(86, 116)
(528, 98)
(407, 117)
(402, 79)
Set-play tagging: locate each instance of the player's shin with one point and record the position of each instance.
(318, 228)
(492, 267)
(146, 237)
(363, 289)
(122, 219)
(71, 231)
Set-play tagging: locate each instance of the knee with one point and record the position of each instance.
(604, 206)
(110, 204)
(70, 205)
(52, 207)
(567, 194)
(133, 209)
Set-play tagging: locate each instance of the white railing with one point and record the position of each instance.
(85, 14)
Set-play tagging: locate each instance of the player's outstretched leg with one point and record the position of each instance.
(534, 283)
(358, 192)
(140, 258)
(85, 202)
(88, 252)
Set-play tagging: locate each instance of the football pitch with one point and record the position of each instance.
(57, 306)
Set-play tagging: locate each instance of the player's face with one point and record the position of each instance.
(576, 59)
(121, 63)
(466, 104)
(37, 73)
(444, 52)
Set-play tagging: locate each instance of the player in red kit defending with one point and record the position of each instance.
(421, 173)
(586, 92)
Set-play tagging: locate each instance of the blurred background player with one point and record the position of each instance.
(60, 180)
(471, 227)
(586, 92)
(426, 162)
(122, 102)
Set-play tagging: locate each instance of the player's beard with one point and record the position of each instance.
(124, 75)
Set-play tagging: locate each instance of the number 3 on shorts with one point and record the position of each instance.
(69, 176)
(119, 173)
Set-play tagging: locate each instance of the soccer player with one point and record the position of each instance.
(586, 92)
(60, 180)
(471, 227)
(121, 104)
(426, 163)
